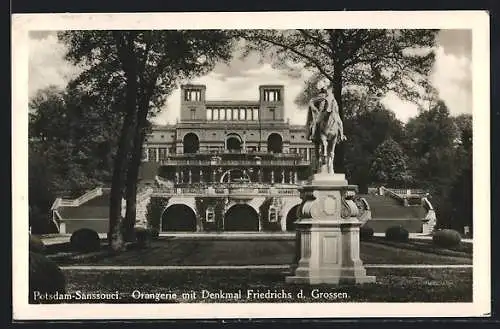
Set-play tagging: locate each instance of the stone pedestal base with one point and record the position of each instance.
(328, 235)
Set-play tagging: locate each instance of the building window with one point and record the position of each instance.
(222, 114)
(303, 153)
(273, 214)
(293, 150)
(191, 95)
(249, 114)
(152, 154)
(209, 114)
(216, 114)
(235, 114)
(228, 114)
(272, 95)
(162, 154)
(242, 114)
(273, 113)
(210, 214)
(193, 114)
(255, 114)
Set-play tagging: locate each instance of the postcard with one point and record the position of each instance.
(250, 165)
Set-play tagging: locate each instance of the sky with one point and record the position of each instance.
(240, 79)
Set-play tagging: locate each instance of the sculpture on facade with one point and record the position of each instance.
(325, 129)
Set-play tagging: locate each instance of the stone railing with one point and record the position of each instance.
(224, 191)
(208, 162)
(406, 192)
(60, 202)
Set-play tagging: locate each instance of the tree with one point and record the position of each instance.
(378, 61)
(368, 123)
(389, 166)
(147, 65)
(432, 143)
(71, 136)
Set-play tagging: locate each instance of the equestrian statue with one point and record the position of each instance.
(325, 129)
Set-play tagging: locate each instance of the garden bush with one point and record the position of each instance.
(36, 245)
(396, 233)
(365, 233)
(154, 210)
(44, 276)
(155, 233)
(446, 238)
(85, 240)
(142, 236)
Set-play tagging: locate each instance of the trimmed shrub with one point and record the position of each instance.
(142, 236)
(446, 238)
(396, 233)
(45, 277)
(36, 245)
(365, 233)
(155, 233)
(85, 240)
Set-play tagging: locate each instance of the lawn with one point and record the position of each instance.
(393, 285)
(176, 251)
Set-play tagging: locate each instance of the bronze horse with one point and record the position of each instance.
(325, 130)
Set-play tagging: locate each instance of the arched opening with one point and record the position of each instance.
(234, 143)
(178, 218)
(191, 143)
(291, 217)
(235, 176)
(275, 143)
(241, 217)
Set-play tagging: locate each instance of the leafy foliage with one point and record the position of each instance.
(389, 165)
(44, 276)
(72, 136)
(85, 240)
(154, 210)
(446, 238)
(396, 233)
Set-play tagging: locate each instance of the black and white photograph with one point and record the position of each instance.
(236, 165)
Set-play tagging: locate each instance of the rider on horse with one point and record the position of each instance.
(320, 107)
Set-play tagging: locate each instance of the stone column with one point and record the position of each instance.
(259, 174)
(327, 237)
(176, 176)
(157, 154)
(272, 176)
(190, 176)
(282, 176)
(290, 177)
(295, 176)
(182, 176)
(229, 177)
(201, 175)
(213, 175)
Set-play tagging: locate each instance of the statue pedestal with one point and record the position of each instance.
(328, 234)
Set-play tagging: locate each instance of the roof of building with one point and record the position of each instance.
(389, 207)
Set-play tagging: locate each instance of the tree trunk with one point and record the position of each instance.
(115, 233)
(336, 43)
(133, 170)
(339, 149)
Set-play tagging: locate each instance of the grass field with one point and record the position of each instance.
(255, 252)
(393, 285)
